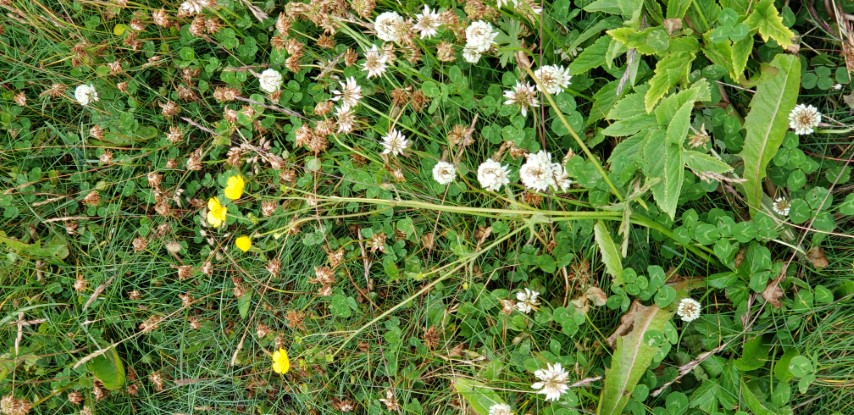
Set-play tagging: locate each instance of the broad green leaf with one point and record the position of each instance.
(629, 9)
(632, 357)
(703, 14)
(55, 249)
(591, 57)
(668, 71)
(243, 304)
(650, 41)
(666, 110)
(731, 55)
(752, 402)
(609, 251)
(769, 23)
(626, 156)
(678, 127)
(596, 29)
(108, 368)
(702, 162)
(676, 9)
(478, 395)
(767, 122)
(664, 162)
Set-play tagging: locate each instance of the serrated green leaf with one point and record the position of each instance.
(650, 41)
(629, 9)
(676, 9)
(108, 368)
(609, 251)
(752, 402)
(626, 156)
(767, 122)
(478, 395)
(591, 57)
(664, 162)
(631, 358)
(767, 20)
(702, 162)
(677, 130)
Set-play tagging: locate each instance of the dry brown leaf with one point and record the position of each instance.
(817, 257)
(773, 293)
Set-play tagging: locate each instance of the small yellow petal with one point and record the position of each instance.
(243, 243)
(216, 213)
(281, 363)
(234, 187)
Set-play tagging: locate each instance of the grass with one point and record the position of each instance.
(420, 290)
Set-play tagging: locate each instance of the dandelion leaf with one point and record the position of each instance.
(634, 353)
(767, 122)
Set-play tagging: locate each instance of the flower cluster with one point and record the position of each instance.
(553, 381)
(480, 36)
(689, 309)
(804, 118)
(540, 173)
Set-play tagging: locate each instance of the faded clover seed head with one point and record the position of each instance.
(804, 118)
(523, 95)
(444, 173)
(492, 175)
(428, 23)
(689, 309)
(349, 94)
(375, 62)
(270, 80)
(394, 143)
(553, 381)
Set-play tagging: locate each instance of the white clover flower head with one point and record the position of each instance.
(492, 175)
(394, 143)
(444, 173)
(86, 94)
(538, 171)
(375, 62)
(689, 309)
(500, 409)
(270, 80)
(345, 119)
(554, 78)
(428, 23)
(781, 205)
(560, 178)
(480, 36)
(523, 95)
(553, 381)
(804, 118)
(193, 7)
(349, 94)
(471, 55)
(526, 300)
(386, 25)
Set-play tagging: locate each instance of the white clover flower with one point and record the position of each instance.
(538, 171)
(349, 94)
(86, 94)
(386, 25)
(523, 95)
(500, 409)
(346, 120)
(444, 172)
(781, 205)
(270, 80)
(526, 300)
(428, 23)
(375, 62)
(804, 118)
(553, 381)
(689, 309)
(492, 175)
(394, 143)
(554, 78)
(193, 7)
(471, 55)
(480, 36)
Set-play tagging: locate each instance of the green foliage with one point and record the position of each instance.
(767, 121)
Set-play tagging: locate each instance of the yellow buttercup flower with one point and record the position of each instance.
(243, 243)
(216, 213)
(281, 363)
(234, 187)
